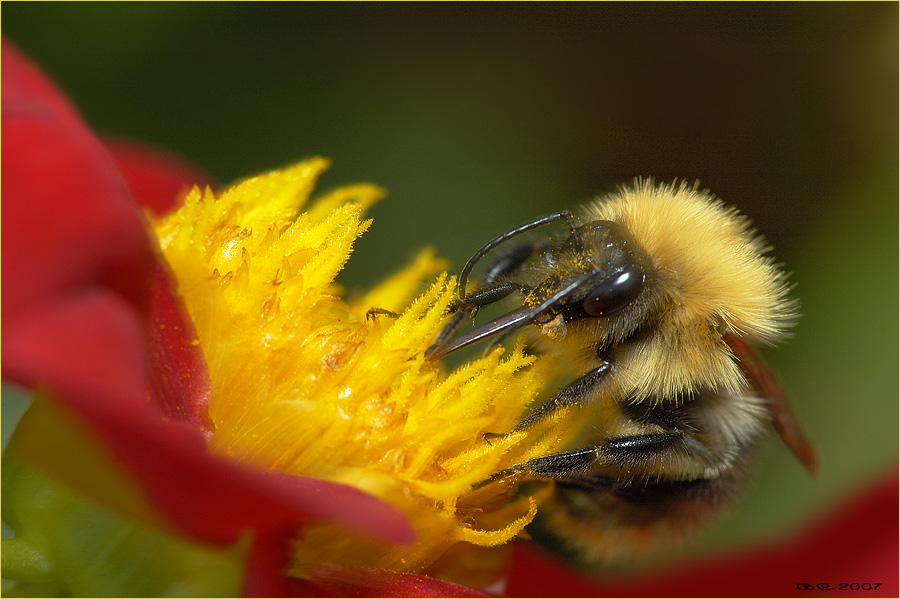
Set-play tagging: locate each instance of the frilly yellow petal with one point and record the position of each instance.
(304, 383)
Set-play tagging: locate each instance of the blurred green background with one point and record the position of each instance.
(479, 117)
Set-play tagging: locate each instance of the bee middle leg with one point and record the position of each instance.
(573, 394)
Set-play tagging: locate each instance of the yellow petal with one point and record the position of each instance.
(304, 383)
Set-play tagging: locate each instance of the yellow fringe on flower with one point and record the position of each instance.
(304, 383)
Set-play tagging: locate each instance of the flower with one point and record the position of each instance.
(111, 494)
(306, 384)
(338, 396)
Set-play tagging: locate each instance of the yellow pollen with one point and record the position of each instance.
(304, 383)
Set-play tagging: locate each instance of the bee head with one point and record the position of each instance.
(596, 273)
(607, 265)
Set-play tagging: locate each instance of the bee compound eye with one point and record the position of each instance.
(615, 292)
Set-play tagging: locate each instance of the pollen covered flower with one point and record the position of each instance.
(306, 384)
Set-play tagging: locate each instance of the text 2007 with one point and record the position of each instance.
(858, 586)
(843, 586)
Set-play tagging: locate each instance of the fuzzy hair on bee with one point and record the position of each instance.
(656, 296)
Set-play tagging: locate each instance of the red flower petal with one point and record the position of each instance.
(350, 581)
(26, 87)
(856, 544)
(75, 289)
(180, 387)
(156, 179)
(53, 242)
(207, 497)
(269, 557)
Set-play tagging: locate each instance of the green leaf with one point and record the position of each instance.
(68, 545)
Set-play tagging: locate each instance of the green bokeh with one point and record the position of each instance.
(478, 117)
(69, 546)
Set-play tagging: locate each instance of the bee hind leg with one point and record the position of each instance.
(606, 462)
(634, 494)
(617, 456)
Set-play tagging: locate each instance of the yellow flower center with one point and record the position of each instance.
(304, 383)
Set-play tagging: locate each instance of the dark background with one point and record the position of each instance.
(478, 117)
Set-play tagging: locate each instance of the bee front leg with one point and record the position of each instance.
(490, 288)
(475, 300)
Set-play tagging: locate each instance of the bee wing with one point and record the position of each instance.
(763, 381)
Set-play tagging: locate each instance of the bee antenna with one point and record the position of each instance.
(467, 269)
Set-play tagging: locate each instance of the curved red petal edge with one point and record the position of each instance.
(76, 275)
(26, 87)
(180, 385)
(156, 179)
(855, 544)
(351, 581)
(269, 558)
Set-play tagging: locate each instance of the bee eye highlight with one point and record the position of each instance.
(616, 292)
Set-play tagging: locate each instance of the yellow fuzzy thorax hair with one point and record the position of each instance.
(712, 272)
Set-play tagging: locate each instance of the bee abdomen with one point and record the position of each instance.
(608, 521)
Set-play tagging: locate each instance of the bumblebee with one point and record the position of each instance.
(657, 295)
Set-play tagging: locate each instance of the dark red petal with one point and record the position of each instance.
(156, 179)
(68, 218)
(855, 544)
(180, 384)
(69, 221)
(90, 343)
(351, 581)
(269, 557)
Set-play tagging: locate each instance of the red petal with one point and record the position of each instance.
(350, 581)
(206, 497)
(856, 544)
(269, 557)
(24, 85)
(180, 386)
(156, 179)
(53, 241)
(76, 273)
